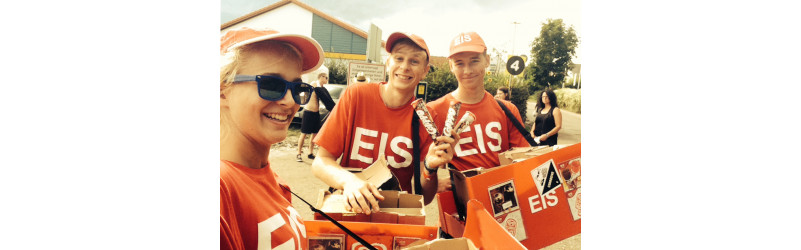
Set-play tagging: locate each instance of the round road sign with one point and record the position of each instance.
(515, 65)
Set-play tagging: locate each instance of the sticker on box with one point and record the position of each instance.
(331, 242)
(504, 198)
(574, 199)
(570, 173)
(401, 242)
(545, 177)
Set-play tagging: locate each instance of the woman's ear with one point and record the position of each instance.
(223, 99)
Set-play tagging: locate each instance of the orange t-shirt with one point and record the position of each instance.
(491, 133)
(255, 212)
(361, 127)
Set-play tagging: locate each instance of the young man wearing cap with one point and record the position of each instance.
(260, 92)
(374, 120)
(492, 132)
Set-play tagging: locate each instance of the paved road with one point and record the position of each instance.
(299, 177)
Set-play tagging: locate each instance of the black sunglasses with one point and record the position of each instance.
(273, 88)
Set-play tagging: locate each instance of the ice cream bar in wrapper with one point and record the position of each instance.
(425, 117)
(467, 119)
(452, 112)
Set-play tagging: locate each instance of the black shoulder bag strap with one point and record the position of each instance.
(352, 234)
(418, 187)
(517, 124)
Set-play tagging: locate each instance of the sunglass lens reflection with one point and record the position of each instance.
(301, 94)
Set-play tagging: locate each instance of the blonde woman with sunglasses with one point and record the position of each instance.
(260, 92)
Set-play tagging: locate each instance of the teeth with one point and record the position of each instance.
(279, 117)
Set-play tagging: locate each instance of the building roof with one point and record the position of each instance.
(334, 20)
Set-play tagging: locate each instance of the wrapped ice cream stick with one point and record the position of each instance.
(467, 119)
(425, 118)
(451, 118)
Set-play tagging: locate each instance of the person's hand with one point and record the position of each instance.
(441, 152)
(360, 196)
(543, 137)
(444, 184)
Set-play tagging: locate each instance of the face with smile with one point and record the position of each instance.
(406, 66)
(258, 120)
(469, 68)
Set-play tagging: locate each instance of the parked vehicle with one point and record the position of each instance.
(334, 89)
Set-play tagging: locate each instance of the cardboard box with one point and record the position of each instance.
(398, 207)
(521, 154)
(522, 196)
(380, 235)
(444, 244)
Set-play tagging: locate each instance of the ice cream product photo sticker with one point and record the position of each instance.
(506, 208)
(570, 173)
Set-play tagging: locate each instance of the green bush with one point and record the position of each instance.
(337, 71)
(569, 99)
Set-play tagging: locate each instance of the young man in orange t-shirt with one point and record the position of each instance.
(492, 132)
(374, 120)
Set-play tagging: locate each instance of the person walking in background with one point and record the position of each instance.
(549, 119)
(260, 92)
(310, 124)
(502, 94)
(374, 120)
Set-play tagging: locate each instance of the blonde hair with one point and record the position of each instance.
(232, 62)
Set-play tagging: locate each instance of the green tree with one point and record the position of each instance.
(551, 55)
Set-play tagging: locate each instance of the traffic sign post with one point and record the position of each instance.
(515, 65)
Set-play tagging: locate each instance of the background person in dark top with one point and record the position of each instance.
(548, 119)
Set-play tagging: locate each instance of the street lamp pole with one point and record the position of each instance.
(514, 36)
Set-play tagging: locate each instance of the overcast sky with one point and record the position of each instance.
(439, 21)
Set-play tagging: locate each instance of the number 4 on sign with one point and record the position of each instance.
(515, 65)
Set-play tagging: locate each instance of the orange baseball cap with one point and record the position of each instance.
(310, 51)
(394, 37)
(467, 42)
